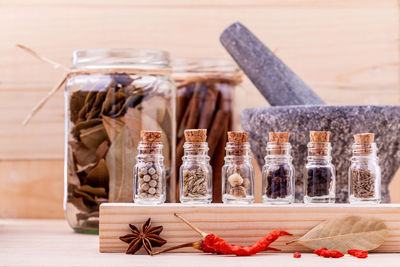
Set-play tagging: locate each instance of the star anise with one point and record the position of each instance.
(147, 236)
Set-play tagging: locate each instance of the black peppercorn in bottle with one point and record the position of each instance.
(319, 175)
(278, 171)
(364, 171)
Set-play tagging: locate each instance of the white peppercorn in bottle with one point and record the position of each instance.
(150, 170)
(237, 173)
(364, 171)
(195, 172)
(319, 174)
(278, 171)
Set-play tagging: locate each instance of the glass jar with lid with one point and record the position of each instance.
(112, 95)
(319, 172)
(238, 172)
(205, 100)
(364, 171)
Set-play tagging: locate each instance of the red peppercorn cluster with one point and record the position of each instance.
(326, 253)
(296, 255)
(362, 254)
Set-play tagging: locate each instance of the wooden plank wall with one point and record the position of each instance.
(347, 50)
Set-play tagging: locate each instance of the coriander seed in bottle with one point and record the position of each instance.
(278, 171)
(237, 173)
(364, 171)
(195, 174)
(320, 174)
(150, 170)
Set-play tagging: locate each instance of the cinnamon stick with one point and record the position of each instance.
(207, 110)
(195, 105)
(217, 162)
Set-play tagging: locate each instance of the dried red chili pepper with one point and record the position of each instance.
(214, 244)
(362, 254)
(297, 255)
(326, 253)
(318, 251)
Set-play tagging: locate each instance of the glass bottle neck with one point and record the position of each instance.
(150, 149)
(366, 151)
(278, 152)
(195, 150)
(237, 152)
(319, 152)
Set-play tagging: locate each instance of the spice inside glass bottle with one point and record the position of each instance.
(150, 170)
(364, 171)
(237, 173)
(195, 171)
(278, 171)
(320, 174)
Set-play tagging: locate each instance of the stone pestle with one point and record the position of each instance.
(276, 81)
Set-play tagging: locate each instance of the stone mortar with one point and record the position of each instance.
(343, 122)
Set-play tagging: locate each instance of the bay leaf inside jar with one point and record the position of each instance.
(106, 119)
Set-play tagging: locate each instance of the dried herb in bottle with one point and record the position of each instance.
(364, 171)
(195, 171)
(205, 90)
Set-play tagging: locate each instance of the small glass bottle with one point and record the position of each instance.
(195, 172)
(278, 171)
(320, 174)
(237, 173)
(364, 171)
(150, 170)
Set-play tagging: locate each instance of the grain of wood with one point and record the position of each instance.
(228, 222)
(31, 189)
(52, 243)
(347, 50)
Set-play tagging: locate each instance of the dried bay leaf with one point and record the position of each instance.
(113, 127)
(96, 108)
(89, 100)
(98, 176)
(76, 130)
(72, 172)
(93, 191)
(102, 150)
(112, 99)
(80, 204)
(93, 137)
(346, 232)
(76, 102)
(83, 155)
(83, 170)
(120, 160)
(136, 120)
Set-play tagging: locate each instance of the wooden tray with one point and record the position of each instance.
(240, 225)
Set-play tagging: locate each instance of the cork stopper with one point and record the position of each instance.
(238, 137)
(196, 135)
(279, 137)
(320, 136)
(364, 138)
(150, 136)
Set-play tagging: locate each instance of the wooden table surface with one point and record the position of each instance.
(52, 243)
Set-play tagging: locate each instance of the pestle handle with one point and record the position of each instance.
(276, 81)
